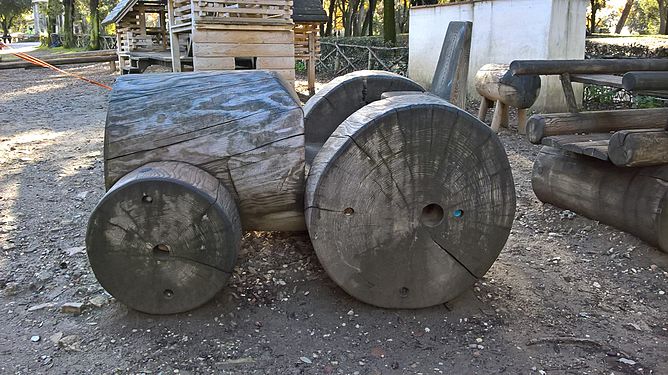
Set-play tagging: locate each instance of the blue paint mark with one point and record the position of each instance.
(458, 213)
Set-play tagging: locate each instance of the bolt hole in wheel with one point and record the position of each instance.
(348, 211)
(432, 215)
(168, 293)
(161, 250)
(146, 198)
(403, 292)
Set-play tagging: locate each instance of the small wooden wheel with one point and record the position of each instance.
(343, 96)
(409, 202)
(165, 238)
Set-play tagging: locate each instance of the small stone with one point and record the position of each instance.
(627, 361)
(426, 329)
(98, 301)
(55, 338)
(479, 339)
(661, 292)
(653, 267)
(351, 313)
(72, 307)
(70, 343)
(305, 360)
(40, 306)
(35, 338)
(596, 284)
(75, 250)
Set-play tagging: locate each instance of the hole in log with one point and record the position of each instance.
(161, 250)
(168, 293)
(432, 215)
(458, 213)
(403, 292)
(146, 198)
(348, 211)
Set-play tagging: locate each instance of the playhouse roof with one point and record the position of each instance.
(303, 11)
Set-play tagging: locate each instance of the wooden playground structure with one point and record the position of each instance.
(218, 35)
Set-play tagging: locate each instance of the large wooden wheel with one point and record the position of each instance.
(165, 238)
(409, 202)
(341, 97)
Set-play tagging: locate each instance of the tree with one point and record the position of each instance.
(10, 10)
(644, 17)
(68, 24)
(53, 10)
(624, 16)
(367, 26)
(663, 16)
(94, 7)
(389, 22)
(594, 7)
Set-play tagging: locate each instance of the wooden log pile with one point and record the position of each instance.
(191, 160)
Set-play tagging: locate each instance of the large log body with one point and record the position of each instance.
(546, 125)
(342, 96)
(244, 128)
(639, 147)
(495, 82)
(165, 238)
(631, 199)
(409, 202)
(634, 81)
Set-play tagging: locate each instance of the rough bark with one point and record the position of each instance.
(94, 24)
(68, 27)
(389, 23)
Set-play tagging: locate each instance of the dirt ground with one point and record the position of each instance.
(567, 295)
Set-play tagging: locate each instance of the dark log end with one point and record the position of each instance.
(535, 128)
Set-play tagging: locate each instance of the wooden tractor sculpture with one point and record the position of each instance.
(407, 200)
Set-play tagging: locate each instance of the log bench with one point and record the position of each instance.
(498, 86)
(408, 200)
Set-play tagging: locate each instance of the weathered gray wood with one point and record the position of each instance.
(546, 125)
(452, 68)
(494, 82)
(244, 128)
(631, 199)
(594, 145)
(500, 117)
(567, 86)
(608, 80)
(634, 81)
(591, 66)
(639, 147)
(342, 96)
(165, 238)
(409, 202)
(485, 104)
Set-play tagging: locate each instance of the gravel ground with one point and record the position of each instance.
(567, 295)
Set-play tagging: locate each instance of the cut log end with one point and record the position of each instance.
(165, 238)
(409, 202)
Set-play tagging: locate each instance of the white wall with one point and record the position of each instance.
(503, 31)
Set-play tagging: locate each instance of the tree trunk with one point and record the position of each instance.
(5, 27)
(351, 16)
(663, 16)
(367, 26)
(68, 27)
(94, 25)
(330, 18)
(389, 23)
(624, 17)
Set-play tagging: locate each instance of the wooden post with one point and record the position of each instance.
(521, 120)
(173, 39)
(409, 202)
(639, 147)
(485, 104)
(112, 66)
(568, 92)
(500, 116)
(631, 199)
(311, 61)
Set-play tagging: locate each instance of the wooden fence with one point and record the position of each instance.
(338, 58)
(106, 41)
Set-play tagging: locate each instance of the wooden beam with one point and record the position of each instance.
(59, 61)
(634, 81)
(639, 147)
(173, 39)
(593, 66)
(546, 125)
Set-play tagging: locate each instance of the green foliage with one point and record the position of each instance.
(599, 95)
(300, 66)
(10, 11)
(642, 101)
(644, 17)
